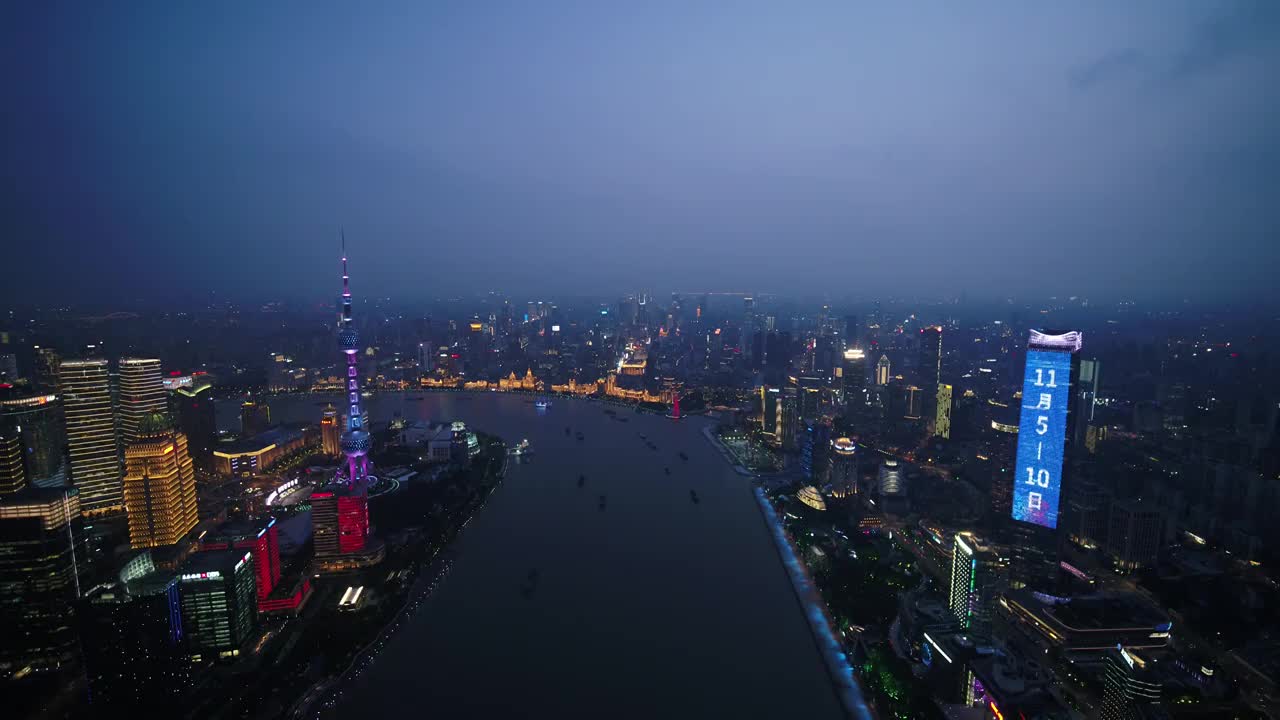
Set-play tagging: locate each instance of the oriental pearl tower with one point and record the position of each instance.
(355, 441)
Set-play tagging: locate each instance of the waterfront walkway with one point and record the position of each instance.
(815, 611)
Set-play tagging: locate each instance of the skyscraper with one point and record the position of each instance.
(1135, 534)
(1086, 400)
(1047, 401)
(844, 468)
(262, 540)
(159, 486)
(978, 574)
(882, 370)
(255, 418)
(91, 435)
(890, 481)
(219, 612)
(142, 394)
(47, 363)
(1131, 685)
(12, 476)
(330, 432)
(196, 419)
(814, 450)
(769, 399)
(942, 412)
(41, 571)
(930, 357)
(913, 402)
(36, 419)
(853, 379)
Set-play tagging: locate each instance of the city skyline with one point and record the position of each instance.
(823, 360)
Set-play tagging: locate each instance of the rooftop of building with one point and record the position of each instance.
(33, 495)
(275, 436)
(217, 561)
(1104, 611)
(236, 530)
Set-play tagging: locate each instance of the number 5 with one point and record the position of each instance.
(1042, 424)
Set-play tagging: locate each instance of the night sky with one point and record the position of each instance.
(1113, 149)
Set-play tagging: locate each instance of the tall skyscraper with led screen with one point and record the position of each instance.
(1042, 430)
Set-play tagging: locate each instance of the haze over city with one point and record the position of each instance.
(823, 360)
(836, 147)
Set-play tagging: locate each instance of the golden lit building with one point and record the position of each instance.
(942, 417)
(573, 387)
(91, 435)
(159, 486)
(440, 382)
(612, 389)
(12, 477)
(330, 432)
(511, 382)
(142, 393)
(809, 496)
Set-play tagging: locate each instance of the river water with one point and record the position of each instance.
(655, 607)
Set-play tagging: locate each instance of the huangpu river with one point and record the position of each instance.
(655, 606)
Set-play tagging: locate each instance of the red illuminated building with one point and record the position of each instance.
(276, 592)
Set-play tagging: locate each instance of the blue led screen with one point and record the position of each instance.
(1042, 432)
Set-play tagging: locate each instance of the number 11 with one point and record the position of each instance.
(1053, 378)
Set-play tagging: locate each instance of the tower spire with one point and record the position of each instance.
(355, 441)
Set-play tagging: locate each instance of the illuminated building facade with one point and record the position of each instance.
(36, 419)
(42, 572)
(194, 410)
(12, 476)
(1090, 623)
(142, 395)
(219, 613)
(1046, 412)
(330, 432)
(91, 435)
(260, 452)
(809, 496)
(882, 370)
(942, 412)
(814, 451)
(890, 481)
(1131, 684)
(159, 486)
(844, 468)
(275, 592)
(511, 382)
(574, 387)
(853, 379)
(255, 418)
(979, 573)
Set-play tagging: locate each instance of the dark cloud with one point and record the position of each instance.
(1234, 30)
(555, 147)
(1121, 63)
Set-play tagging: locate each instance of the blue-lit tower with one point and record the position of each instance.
(355, 442)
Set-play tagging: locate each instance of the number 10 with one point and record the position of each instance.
(1040, 478)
